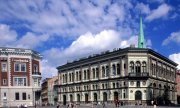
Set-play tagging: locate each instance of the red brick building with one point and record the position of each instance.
(20, 76)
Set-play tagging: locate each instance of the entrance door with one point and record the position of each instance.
(78, 98)
(138, 95)
(86, 98)
(104, 96)
(71, 98)
(95, 97)
(116, 97)
(64, 99)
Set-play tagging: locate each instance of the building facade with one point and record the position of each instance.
(178, 85)
(49, 91)
(131, 75)
(20, 76)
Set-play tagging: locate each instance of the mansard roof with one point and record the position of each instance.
(114, 53)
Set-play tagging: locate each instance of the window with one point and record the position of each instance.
(138, 84)
(23, 96)
(144, 66)
(107, 71)
(4, 94)
(88, 74)
(20, 67)
(4, 67)
(19, 81)
(4, 81)
(97, 72)
(16, 96)
(131, 66)
(138, 68)
(36, 68)
(114, 69)
(118, 69)
(79, 75)
(28, 96)
(84, 74)
(103, 71)
(93, 73)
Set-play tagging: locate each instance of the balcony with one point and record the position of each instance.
(138, 75)
(36, 74)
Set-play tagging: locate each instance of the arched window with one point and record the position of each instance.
(77, 76)
(80, 75)
(72, 77)
(131, 66)
(144, 66)
(66, 78)
(84, 74)
(138, 68)
(103, 71)
(63, 79)
(114, 69)
(138, 84)
(107, 71)
(97, 72)
(93, 73)
(118, 69)
(69, 77)
(88, 74)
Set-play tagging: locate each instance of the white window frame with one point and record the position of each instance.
(4, 70)
(17, 82)
(20, 66)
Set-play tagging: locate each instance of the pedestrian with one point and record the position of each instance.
(103, 104)
(155, 104)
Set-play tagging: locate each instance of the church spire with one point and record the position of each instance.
(141, 35)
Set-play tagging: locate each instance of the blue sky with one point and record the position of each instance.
(67, 30)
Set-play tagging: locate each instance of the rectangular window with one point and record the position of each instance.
(24, 96)
(4, 94)
(20, 81)
(16, 96)
(20, 67)
(4, 81)
(29, 96)
(4, 67)
(36, 68)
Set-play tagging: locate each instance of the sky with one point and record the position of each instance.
(66, 30)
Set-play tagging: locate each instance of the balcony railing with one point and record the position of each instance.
(36, 73)
(143, 74)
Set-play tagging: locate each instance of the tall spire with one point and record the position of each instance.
(141, 35)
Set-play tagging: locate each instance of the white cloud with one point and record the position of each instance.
(31, 40)
(144, 9)
(66, 18)
(9, 38)
(7, 35)
(174, 37)
(86, 45)
(161, 12)
(176, 58)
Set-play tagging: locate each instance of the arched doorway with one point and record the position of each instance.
(138, 95)
(86, 98)
(104, 96)
(78, 97)
(116, 97)
(64, 99)
(71, 98)
(95, 97)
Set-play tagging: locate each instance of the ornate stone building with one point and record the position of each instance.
(131, 75)
(20, 77)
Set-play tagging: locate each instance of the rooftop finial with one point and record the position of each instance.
(141, 35)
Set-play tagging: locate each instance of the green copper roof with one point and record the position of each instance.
(141, 35)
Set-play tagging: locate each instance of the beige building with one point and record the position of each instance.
(132, 75)
(48, 91)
